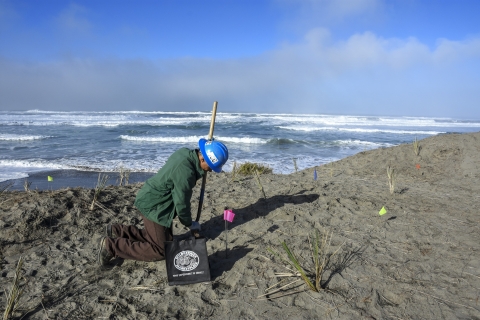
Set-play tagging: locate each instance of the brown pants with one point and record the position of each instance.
(139, 244)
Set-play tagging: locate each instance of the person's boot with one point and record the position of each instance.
(108, 231)
(104, 256)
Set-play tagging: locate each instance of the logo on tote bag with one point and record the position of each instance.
(186, 260)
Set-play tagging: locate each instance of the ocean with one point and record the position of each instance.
(36, 142)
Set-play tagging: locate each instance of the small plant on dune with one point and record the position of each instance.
(249, 168)
(15, 293)
(124, 175)
(295, 165)
(321, 255)
(416, 147)
(26, 185)
(392, 175)
(102, 182)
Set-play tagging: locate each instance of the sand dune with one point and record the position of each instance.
(420, 260)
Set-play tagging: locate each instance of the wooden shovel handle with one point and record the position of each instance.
(204, 180)
(212, 122)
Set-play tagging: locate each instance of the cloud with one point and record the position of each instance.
(366, 50)
(73, 19)
(363, 74)
(449, 51)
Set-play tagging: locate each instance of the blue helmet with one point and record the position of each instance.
(214, 152)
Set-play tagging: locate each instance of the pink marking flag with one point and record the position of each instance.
(228, 215)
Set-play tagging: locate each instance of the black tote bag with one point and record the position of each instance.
(187, 261)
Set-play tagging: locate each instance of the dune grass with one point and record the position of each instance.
(416, 147)
(249, 168)
(320, 251)
(15, 293)
(102, 182)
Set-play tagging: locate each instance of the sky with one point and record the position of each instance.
(355, 57)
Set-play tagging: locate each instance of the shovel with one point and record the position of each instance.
(204, 180)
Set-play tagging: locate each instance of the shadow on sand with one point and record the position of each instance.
(215, 226)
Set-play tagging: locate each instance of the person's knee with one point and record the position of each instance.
(159, 251)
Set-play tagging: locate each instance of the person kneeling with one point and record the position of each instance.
(163, 197)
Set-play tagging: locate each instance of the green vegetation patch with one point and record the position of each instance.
(249, 168)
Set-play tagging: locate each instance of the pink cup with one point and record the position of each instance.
(228, 215)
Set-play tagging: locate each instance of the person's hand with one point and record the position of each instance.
(195, 226)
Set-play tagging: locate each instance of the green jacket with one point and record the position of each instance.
(168, 193)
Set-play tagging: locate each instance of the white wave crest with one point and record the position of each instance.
(165, 118)
(186, 139)
(243, 140)
(194, 139)
(362, 130)
(360, 143)
(17, 169)
(33, 164)
(19, 137)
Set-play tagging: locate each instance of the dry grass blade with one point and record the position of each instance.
(234, 171)
(293, 261)
(257, 175)
(285, 274)
(392, 175)
(5, 187)
(101, 206)
(13, 297)
(320, 255)
(316, 260)
(284, 295)
(148, 288)
(102, 182)
(321, 252)
(127, 176)
(277, 290)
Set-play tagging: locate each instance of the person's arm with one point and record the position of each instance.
(183, 183)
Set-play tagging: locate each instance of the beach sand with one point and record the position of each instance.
(420, 260)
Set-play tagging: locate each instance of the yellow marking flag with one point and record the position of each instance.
(50, 178)
(382, 211)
